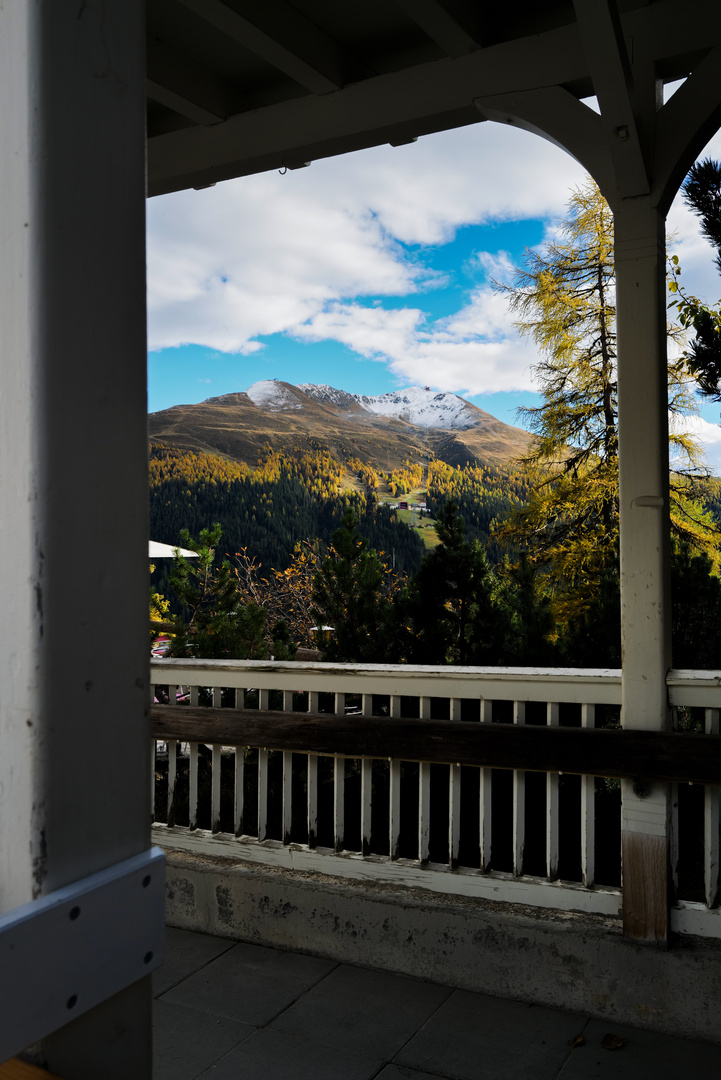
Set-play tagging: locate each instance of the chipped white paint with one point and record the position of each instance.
(534, 892)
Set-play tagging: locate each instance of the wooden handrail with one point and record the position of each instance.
(647, 755)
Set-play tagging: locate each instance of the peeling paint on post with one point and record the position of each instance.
(645, 548)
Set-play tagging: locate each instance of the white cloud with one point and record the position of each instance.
(708, 436)
(474, 351)
(295, 253)
(267, 254)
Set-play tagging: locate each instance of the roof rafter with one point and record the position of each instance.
(455, 25)
(279, 34)
(186, 87)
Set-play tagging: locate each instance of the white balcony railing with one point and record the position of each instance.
(274, 783)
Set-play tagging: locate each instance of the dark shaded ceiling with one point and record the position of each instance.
(241, 86)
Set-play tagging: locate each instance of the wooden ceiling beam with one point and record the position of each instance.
(186, 87)
(388, 108)
(455, 26)
(278, 33)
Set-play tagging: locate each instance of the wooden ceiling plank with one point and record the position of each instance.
(279, 34)
(185, 86)
(612, 77)
(456, 33)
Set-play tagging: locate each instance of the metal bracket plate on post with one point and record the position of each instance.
(68, 951)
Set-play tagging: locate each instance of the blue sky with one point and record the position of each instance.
(370, 272)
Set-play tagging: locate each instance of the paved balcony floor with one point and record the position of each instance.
(229, 1010)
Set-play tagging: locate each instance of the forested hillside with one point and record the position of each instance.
(267, 512)
(485, 497)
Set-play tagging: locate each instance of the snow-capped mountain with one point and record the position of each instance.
(384, 430)
(271, 394)
(416, 405)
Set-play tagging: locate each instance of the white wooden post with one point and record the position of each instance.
(645, 544)
(74, 783)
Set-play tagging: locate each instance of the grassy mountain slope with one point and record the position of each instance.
(235, 427)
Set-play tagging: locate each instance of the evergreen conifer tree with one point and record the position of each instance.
(564, 299)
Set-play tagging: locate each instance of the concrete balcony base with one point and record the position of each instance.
(568, 961)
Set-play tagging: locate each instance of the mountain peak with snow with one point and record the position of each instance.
(416, 405)
(275, 395)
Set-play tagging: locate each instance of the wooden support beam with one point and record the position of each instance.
(281, 35)
(385, 109)
(613, 82)
(649, 755)
(187, 88)
(454, 25)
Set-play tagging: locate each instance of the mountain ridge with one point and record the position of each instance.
(384, 430)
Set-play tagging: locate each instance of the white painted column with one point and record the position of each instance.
(74, 779)
(645, 543)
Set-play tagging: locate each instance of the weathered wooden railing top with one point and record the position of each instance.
(601, 686)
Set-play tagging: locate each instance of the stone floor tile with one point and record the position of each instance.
(186, 953)
(250, 983)
(185, 1042)
(275, 1055)
(403, 1072)
(474, 1035)
(647, 1055)
(358, 1008)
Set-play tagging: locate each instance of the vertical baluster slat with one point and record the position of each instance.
(339, 787)
(338, 803)
(263, 704)
(424, 809)
(673, 845)
(519, 800)
(153, 752)
(312, 785)
(239, 792)
(711, 824)
(215, 788)
(454, 814)
(215, 771)
(552, 805)
(193, 769)
(424, 791)
(366, 785)
(262, 793)
(193, 778)
(454, 790)
(673, 833)
(394, 792)
(588, 811)
(172, 780)
(287, 807)
(485, 818)
(239, 780)
(394, 806)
